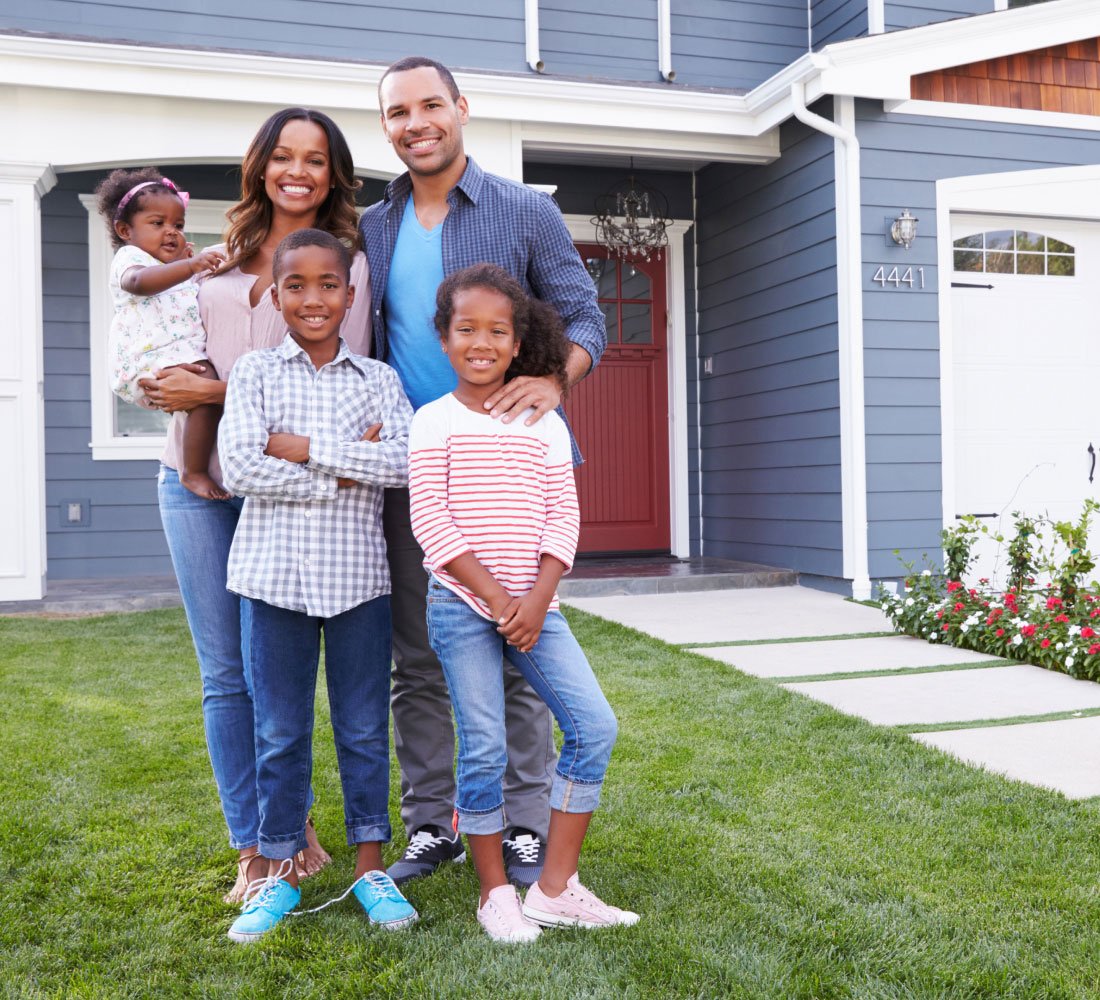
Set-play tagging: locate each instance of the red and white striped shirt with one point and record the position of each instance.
(502, 491)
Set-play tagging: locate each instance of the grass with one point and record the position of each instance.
(774, 847)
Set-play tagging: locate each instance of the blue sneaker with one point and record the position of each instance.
(383, 901)
(272, 899)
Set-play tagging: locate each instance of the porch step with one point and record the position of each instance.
(666, 575)
(91, 597)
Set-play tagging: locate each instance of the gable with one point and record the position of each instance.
(1062, 78)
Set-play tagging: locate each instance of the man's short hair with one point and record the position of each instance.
(310, 238)
(420, 62)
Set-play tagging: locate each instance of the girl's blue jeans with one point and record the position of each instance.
(284, 653)
(472, 653)
(199, 534)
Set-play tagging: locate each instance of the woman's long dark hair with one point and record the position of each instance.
(250, 219)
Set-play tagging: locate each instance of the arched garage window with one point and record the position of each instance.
(1014, 251)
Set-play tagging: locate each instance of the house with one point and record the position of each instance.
(787, 384)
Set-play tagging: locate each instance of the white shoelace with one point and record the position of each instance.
(421, 841)
(258, 887)
(527, 847)
(380, 880)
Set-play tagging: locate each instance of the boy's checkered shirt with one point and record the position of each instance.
(303, 543)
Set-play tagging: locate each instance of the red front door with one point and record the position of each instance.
(619, 413)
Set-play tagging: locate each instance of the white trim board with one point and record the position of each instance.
(983, 113)
(581, 230)
(1058, 192)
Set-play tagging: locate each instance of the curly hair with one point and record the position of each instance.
(112, 189)
(250, 219)
(543, 346)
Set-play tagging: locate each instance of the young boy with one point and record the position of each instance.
(311, 435)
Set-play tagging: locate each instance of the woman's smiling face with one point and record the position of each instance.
(298, 175)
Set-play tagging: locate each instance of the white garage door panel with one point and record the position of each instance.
(1026, 378)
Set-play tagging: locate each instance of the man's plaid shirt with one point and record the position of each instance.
(495, 220)
(302, 542)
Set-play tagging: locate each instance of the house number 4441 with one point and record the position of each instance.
(911, 277)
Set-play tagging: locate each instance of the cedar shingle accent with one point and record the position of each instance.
(1063, 78)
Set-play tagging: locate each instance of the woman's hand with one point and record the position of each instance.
(182, 387)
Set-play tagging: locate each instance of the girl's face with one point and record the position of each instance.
(156, 227)
(481, 340)
(298, 173)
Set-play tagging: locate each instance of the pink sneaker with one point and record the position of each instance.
(503, 919)
(575, 907)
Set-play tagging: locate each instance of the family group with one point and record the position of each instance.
(364, 446)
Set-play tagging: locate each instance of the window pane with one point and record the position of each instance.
(1057, 246)
(1000, 263)
(968, 242)
(610, 312)
(1059, 266)
(1029, 263)
(968, 260)
(602, 273)
(136, 421)
(637, 324)
(1030, 242)
(635, 283)
(1001, 239)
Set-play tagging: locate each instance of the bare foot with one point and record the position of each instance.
(203, 486)
(314, 857)
(246, 872)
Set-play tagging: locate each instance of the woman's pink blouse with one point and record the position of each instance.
(233, 327)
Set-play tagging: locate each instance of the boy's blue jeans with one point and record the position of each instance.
(472, 654)
(284, 654)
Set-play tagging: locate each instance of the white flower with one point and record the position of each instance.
(926, 572)
(1069, 661)
(964, 627)
(1059, 645)
(909, 602)
(1074, 630)
(1017, 640)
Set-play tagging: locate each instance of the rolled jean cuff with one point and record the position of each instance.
(477, 823)
(280, 850)
(371, 829)
(572, 796)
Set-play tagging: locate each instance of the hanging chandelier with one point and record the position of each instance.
(631, 220)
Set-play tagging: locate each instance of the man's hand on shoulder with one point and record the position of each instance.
(524, 392)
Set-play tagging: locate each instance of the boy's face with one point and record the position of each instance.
(313, 293)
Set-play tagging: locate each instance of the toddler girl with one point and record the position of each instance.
(494, 507)
(156, 323)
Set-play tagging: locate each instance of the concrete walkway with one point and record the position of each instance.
(1010, 718)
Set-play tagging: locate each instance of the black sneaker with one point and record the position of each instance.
(524, 856)
(425, 853)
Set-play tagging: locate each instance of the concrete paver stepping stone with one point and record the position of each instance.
(1063, 755)
(955, 696)
(735, 615)
(841, 656)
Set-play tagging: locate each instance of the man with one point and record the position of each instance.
(444, 214)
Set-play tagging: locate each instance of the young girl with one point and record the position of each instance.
(156, 323)
(494, 507)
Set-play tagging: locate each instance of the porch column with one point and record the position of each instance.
(22, 419)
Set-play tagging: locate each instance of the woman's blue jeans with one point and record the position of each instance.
(472, 653)
(199, 534)
(284, 651)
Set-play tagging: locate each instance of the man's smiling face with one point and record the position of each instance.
(422, 120)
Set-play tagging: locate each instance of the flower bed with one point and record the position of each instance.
(1032, 625)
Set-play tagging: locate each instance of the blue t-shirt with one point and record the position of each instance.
(416, 269)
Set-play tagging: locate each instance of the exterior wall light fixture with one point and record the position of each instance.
(903, 230)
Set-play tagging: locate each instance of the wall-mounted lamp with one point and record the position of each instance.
(903, 230)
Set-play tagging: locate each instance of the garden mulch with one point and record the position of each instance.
(974, 702)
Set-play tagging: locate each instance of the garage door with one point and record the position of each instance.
(1025, 312)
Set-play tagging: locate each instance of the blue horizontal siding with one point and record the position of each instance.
(837, 20)
(488, 34)
(767, 316)
(913, 13)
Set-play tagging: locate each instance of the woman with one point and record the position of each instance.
(296, 174)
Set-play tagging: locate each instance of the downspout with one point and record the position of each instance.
(531, 26)
(664, 40)
(849, 265)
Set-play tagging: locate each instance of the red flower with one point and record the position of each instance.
(1093, 650)
(946, 626)
(960, 606)
(1045, 643)
(1028, 630)
(952, 586)
(939, 614)
(1087, 633)
(1061, 618)
(999, 632)
(1053, 602)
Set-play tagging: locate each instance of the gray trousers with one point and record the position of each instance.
(423, 731)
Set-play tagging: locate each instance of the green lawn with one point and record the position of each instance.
(773, 847)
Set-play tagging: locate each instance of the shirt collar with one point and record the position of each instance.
(470, 184)
(290, 348)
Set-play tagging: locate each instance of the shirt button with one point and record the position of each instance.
(308, 514)
(305, 562)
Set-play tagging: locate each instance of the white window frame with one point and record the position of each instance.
(203, 216)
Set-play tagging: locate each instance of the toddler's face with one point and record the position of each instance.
(157, 227)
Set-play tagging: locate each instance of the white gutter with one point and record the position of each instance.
(531, 25)
(664, 40)
(849, 266)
